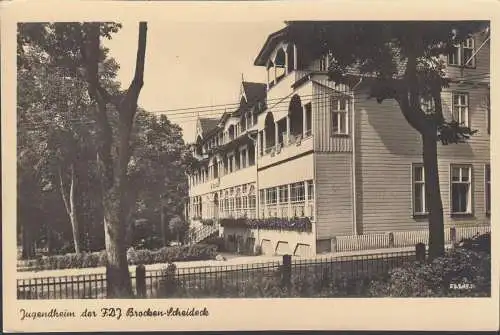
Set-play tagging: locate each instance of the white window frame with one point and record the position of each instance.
(459, 106)
(468, 44)
(487, 189)
(337, 112)
(283, 189)
(269, 191)
(414, 182)
(293, 188)
(469, 210)
(310, 189)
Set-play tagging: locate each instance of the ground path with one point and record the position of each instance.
(231, 259)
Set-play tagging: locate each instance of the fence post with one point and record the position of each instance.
(391, 240)
(420, 252)
(286, 273)
(333, 244)
(140, 280)
(453, 235)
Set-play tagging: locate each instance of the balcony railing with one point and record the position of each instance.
(288, 210)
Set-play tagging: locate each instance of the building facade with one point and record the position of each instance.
(306, 165)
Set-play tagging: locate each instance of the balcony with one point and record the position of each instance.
(291, 147)
(238, 177)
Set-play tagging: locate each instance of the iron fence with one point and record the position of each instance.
(203, 279)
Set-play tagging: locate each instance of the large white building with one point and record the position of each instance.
(306, 166)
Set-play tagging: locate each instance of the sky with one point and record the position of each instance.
(192, 64)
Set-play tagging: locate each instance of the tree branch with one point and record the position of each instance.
(138, 80)
(63, 192)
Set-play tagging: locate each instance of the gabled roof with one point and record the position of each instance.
(254, 92)
(271, 42)
(207, 125)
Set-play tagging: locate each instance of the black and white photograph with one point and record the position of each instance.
(319, 158)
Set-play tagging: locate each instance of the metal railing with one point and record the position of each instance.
(207, 281)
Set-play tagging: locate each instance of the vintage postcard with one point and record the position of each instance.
(249, 165)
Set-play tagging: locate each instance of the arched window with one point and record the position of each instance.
(231, 132)
(296, 116)
(270, 132)
(280, 64)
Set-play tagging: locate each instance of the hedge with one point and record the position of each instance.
(415, 279)
(302, 224)
(134, 257)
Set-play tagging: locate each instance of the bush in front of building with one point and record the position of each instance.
(218, 241)
(97, 259)
(302, 224)
(460, 273)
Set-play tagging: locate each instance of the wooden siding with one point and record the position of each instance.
(323, 139)
(386, 147)
(481, 70)
(333, 195)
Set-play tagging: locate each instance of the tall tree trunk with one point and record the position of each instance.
(433, 195)
(113, 168)
(28, 243)
(70, 204)
(118, 280)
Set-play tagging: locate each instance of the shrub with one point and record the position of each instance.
(477, 243)
(134, 257)
(459, 266)
(219, 242)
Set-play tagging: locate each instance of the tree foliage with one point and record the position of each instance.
(57, 132)
(400, 61)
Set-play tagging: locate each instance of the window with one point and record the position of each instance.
(487, 189)
(237, 162)
(230, 164)
(262, 197)
(243, 158)
(308, 120)
(339, 109)
(462, 54)
(283, 192)
(238, 203)
(297, 192)
(310, 190)
(271, 196)
(252, 201)
(460, 112)
(461, 189)
(419, 201)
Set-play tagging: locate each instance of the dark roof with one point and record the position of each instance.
(207, 125)
(254, 93)
(271, 42)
